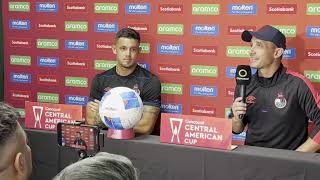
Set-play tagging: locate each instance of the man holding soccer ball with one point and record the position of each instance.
(127, 73)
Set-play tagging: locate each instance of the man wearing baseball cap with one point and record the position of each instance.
(279, 102)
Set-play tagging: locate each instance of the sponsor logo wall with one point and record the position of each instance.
(53, 49)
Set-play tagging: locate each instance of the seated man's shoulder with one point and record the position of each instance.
(144, 73)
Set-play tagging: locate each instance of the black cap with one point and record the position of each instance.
(266, 33)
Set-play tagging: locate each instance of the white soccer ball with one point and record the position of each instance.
(120, 108)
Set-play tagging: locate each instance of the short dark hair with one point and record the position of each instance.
(8, 122)
(101, 166)
(128, 33)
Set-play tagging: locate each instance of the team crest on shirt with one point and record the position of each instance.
(136, 88)
(280, 102)
(250, 100)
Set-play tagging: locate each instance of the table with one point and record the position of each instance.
(158, 161)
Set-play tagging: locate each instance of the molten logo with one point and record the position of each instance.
(290, 53)
(106, 27)
(20, 77)
(170, 49)
(231, 72)
(242, 9)
(47, 7)
(168, 88)
(175, 124)
(111, 8)
(205, 9)
(48, 61)
(170, 29)
(205, 29)
(19, 24)
(78, 45)
(76, 99)
(171, 108)
(138, 8)
(210, 91)
(313, 31)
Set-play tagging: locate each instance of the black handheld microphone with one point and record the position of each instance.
(243, 78)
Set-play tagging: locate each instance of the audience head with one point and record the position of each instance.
(103, 166)
(15, 154)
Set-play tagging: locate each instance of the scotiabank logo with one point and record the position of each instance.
(47, 97)
(171, 8)
(205, 50)
(20, 60)
(76, 81)
(76, 100)
(242, 9)
(169, 88)
(18, 24)
(237, 30)
(281, 8)
(290, 54)
(106, 27)
(231, 72)
(314, 76)
(171, 108)
(103, 45)
(75, 7)
(205, 29)
(76, 63)
(210, 91)
(170, 49)
(20, 42)
(47, 7)
(169, 69)
(144, 65)
(203, 110)
(170, 29)
(79, 45)
(229, 92)
(47, 79)
(312, 53)
(104, 64)
(20, 77)
(20, 95)
(313, 9)
(47, 43)
(47, 61)
(110, 8)
(46, 26)
(313, 32)
(205, 9)
(142, 28)
(138, 8)
(288, 31)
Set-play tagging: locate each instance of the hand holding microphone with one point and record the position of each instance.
(243, 78)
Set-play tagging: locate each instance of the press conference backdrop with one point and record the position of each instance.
(54, 48)
(1, 57)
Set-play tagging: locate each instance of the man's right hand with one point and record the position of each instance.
(92, 112)
(238, 108)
